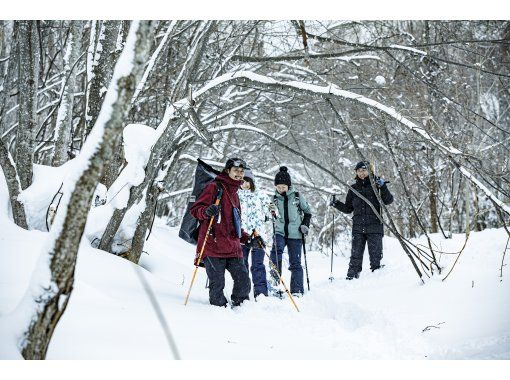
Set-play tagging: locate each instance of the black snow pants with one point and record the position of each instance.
(374, 242)
(215, 268)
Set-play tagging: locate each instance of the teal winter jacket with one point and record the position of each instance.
(292, 212)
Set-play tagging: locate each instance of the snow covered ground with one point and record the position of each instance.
(382, 315)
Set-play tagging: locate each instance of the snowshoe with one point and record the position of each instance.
(277, 293)
(273, 291)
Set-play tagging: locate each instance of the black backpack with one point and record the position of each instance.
(204, 174)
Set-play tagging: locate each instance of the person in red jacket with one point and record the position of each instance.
(223, 247)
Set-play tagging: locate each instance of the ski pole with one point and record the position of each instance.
(273, 213)
(263, 246)
(332, 242)
(306, 265)
(217, 203)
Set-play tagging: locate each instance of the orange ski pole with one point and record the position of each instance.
(217, 203)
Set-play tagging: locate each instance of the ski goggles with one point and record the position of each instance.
(237, 162)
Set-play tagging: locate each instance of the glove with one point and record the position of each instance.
(272, 207)
(201, 264)
(256, 242)
(304, 229)
(212, 210)
(380, 182)
(336, 204)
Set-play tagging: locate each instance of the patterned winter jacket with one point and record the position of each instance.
(254, 211)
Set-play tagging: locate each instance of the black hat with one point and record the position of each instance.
(282, 177)
(237, 162)
(362, 165)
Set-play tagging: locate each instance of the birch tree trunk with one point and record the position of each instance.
(70, 224)
(28, 68)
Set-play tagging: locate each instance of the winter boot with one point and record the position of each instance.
(376, 268)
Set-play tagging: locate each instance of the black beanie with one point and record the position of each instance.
(282, 177)
(362, 164)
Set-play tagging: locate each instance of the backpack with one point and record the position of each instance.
(204, 174)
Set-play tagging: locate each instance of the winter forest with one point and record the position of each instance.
(101, 126)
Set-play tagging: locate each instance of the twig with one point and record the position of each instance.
(503, 259)
(457, 259)
(428, 328)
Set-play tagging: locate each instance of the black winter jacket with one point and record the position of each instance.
(364, 219)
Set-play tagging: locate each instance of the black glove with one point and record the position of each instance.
(256, 242)
(212, 210)
(334, 203)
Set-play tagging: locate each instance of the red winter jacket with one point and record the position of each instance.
(222, 241)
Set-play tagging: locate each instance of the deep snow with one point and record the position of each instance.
(380, 316)
(383, 315)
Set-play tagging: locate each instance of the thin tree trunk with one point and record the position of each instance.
(28, 66)
(136, 192)
(64, 123)
(151, 198)
(433, 201)
(102, 70)
(13, 185)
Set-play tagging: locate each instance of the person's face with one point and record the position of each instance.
(246, 185)
(282, 188)
(236, 173)
(362, 173)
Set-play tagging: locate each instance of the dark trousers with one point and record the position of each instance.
(374, 242)
(215, 268)
(294, 249)
(258, 270)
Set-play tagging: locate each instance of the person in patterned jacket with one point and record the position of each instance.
(254, 214)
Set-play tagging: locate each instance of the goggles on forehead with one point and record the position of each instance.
(239, 163)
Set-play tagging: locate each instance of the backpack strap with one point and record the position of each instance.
(298, 201)
(213, 227)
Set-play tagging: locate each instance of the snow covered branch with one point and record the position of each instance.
(331, 92)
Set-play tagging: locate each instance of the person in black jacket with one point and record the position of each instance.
(366, 226)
